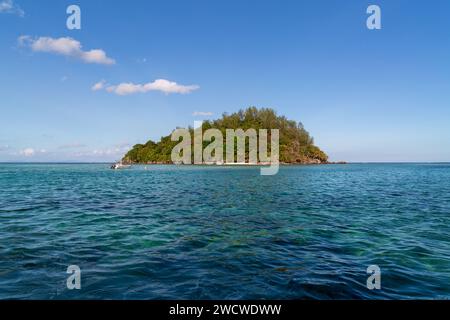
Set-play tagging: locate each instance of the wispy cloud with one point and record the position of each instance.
(72, 146)
(67, 47)
(8, 6)
(123, 145)
(116, 151)
(161, 85)
(202, 113)
(142, 60)
(4, 147)
(99, 85)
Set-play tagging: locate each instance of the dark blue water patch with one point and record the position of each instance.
(169, 232)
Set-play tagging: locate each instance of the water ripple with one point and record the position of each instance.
(225, 233)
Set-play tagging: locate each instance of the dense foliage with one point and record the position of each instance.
(296, 145)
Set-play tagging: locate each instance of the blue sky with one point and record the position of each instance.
(365, 95)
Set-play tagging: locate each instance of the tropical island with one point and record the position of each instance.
(296, 146)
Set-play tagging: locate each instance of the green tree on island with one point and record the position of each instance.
(296, 145)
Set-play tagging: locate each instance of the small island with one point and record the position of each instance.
(296, 146)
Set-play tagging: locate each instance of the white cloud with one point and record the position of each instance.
(65, 46)
(8, 6)
(97, 56)
(161, 85)
(99, 85)
(202, 113)
(29, 152)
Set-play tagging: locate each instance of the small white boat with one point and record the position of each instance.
(120, 165)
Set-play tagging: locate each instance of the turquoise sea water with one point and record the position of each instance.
(224, 233)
